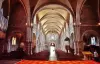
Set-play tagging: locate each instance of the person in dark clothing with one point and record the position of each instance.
(20, 52)
(67, 48)
(96, 56)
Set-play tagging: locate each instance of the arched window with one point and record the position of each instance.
(93, 40)
(13, 40)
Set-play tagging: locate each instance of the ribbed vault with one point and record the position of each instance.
(52, 18)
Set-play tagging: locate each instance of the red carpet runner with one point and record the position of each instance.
(55, 62)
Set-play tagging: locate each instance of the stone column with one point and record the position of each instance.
(29, 35)
(29, 48)
(77, 24)
(28, 40)
(75, 48)
(77, 39)
(37, 39)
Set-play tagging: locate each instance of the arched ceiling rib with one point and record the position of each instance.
(51, 31)
(26, 6)
(52, 15)
(56, 20)
(60, 12)
(50, 23)
(65, 3)
(52, 18)
(52, 27)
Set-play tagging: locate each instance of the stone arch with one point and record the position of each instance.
(23, 5)
(40, 4)
(21, 1)
(16, 21)
(51, 13)
(61, 5)
(93, 32)
(80, 4)
(83, 2)
(79, 7)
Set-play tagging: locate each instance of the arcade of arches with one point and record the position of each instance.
(70, 26)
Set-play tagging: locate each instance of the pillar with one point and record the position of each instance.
(77, 39)
(29, 36)
(77, 25)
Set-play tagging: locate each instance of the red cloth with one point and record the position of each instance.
(55, 62)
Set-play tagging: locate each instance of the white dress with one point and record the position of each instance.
(52, 53)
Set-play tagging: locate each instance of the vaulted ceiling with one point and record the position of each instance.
(51, 17)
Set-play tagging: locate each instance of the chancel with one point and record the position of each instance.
(49, 31)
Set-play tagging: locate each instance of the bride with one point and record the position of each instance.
(52, 52)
